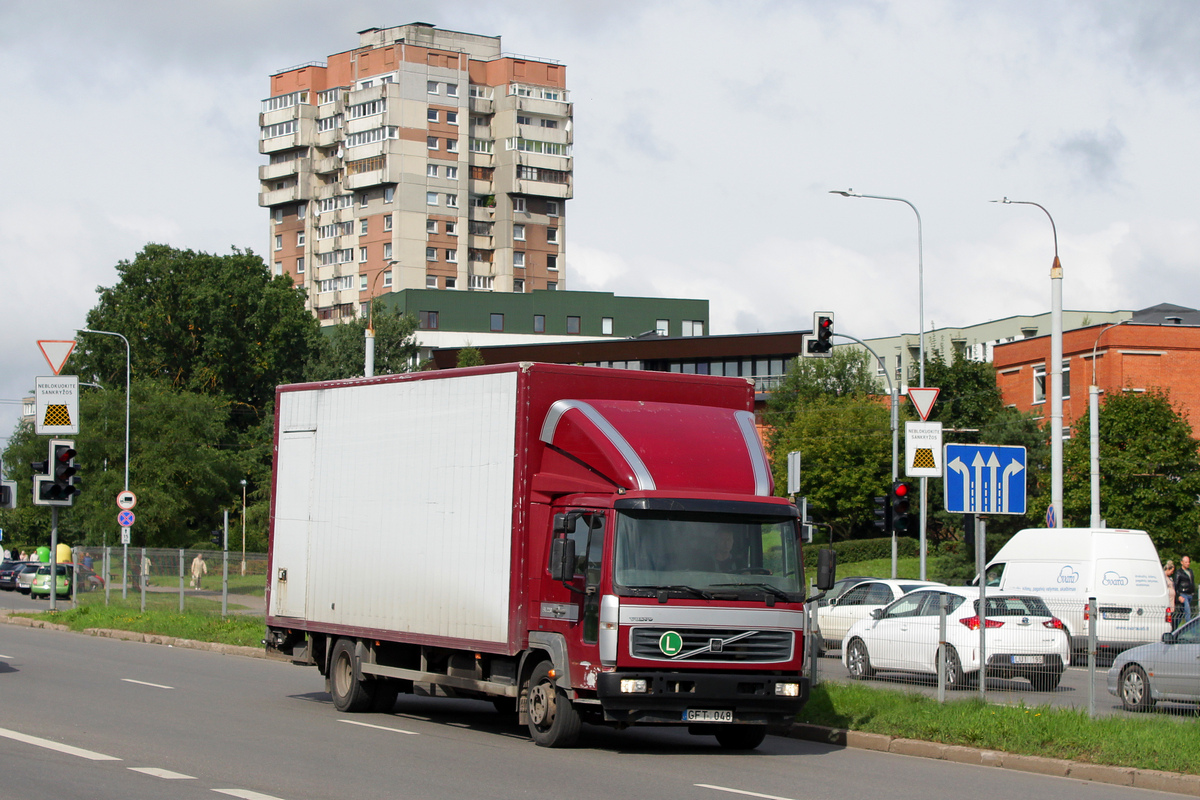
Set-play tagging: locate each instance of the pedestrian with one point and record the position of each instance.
(1185, 586)
(146, 565)
(199, 570)
(1169, 574)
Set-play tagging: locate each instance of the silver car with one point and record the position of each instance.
(1167, 670)
(26, 575)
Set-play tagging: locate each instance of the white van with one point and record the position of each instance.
(1066, 566)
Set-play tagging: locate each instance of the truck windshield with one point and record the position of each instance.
(695, 554)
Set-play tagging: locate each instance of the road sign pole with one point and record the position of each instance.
(53, 576)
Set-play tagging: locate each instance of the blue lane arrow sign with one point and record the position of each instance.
(985, 479)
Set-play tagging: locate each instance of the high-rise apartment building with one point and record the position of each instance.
(422, 159)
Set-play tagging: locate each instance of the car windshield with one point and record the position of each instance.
(1015, 607)
(686, 552)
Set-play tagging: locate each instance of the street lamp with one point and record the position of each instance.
(243, 526)
(1055, 370)
(369, 358)
(1094, 415)
(921, 329)
(124, 545)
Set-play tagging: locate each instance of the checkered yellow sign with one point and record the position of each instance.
(923, 459)
(57, 414)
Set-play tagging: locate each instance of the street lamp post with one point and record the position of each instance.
(921, 329)
(243, 526)
(1055, 371)
(1094, 414)
(124, 545)
(369, 358)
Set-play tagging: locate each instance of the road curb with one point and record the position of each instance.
(147, 638)
(1156, 780)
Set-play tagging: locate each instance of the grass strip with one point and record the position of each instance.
(202, 621)
(1150, 742)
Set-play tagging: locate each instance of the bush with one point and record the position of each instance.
(853, 550)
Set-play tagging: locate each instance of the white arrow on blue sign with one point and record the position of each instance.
(985, 479)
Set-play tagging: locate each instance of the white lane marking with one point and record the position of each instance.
(143, 683)
(163, 773)
(246, 794)
(740, 791)
(378, 727)
(62, 748)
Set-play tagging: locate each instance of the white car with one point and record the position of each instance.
(857, 603)
(1023, 639)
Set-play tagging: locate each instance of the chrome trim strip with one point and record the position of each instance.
(644, 479)
(707, 617)
(758, 458)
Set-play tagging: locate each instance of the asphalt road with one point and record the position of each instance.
(86, 717)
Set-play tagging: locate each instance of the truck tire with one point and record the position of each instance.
(553, 718)
(741, 737)
(350, 692)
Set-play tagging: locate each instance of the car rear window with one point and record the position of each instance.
(1015, 607)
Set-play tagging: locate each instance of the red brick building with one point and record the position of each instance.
(1158, 347)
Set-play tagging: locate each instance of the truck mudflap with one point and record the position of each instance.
(690, 698)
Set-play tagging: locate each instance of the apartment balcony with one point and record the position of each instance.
(300, 111)
(273, 172)
(480, 105)
(278, 144)
(480, 242)
(327, 165)
(288, 194)
(328, 190)
(546, 108)
(481, 213)
(557, 135)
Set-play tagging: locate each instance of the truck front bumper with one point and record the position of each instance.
(676, 697)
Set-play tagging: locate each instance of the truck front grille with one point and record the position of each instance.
(711, 644)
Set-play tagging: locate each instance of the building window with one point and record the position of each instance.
(451, 283)
(524, 120)
(431, 87)
(302, 211)
(387, 278)
(451, 173)
(427, 320)
(451, 201)
(451, 90)
(552, 262)
(299, 266)
(497, 322)
(660, 327)
(452, 229)
(519, 260)
(539, 323)
(431, 254)
(432, 115)
(278, 215)
(451, 117)
(387, 251)
(389, 194)
(452, 256)
(551, 286)
(693, 327)
(479, 282)
(363, 227)
(387, 222)
(431, 142)
(362, 254)
(551, 208)
(362, 283)
(552, 235)
(606, 326)
(278, 267)
(549, 123)
(279, 241)
(452, 145)
(519, 286)
(431, 226)
(431, 170)
(572, 324)
(431, 198)
(362, 200)
(518, 204)
(430, 281)
(519, 233)
(300, 239)
(1040, 386)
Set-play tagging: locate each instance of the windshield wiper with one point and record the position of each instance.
(766, 587)
(678, 587)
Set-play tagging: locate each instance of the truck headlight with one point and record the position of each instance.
(633, 685)
(788, 689)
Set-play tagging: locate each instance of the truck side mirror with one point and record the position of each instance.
(563, 523)
(562, 558)
(826, 569)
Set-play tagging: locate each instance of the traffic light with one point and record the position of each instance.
(901, 502)
(883, 515)
(54, 480)
(820, 343)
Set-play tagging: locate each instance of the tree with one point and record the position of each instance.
(470, 357)
(341, 351)
(183, 467)
(200, 322)
(846, 373)
(968, 397)
(1149, 470)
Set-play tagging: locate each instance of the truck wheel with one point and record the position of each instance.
(350, 693)
(553, 719)
(741, 737)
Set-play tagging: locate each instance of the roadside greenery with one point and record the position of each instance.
(1149, 742)
(202, 621)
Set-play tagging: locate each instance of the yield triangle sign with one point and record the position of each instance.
(56, 352)
(923, 399)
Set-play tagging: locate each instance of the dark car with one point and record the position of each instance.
(8, 574)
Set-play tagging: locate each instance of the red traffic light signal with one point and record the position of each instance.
(901, 503)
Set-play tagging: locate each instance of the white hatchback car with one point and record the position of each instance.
(857, 603)
(1022, 638)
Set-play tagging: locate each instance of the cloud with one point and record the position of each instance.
(1094, 156)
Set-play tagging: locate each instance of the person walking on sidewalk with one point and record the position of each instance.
(199, 570)
(1185, 586)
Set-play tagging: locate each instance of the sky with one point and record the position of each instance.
(708, 135)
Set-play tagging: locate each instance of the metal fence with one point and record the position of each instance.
(210, 580)
(1105, 658)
